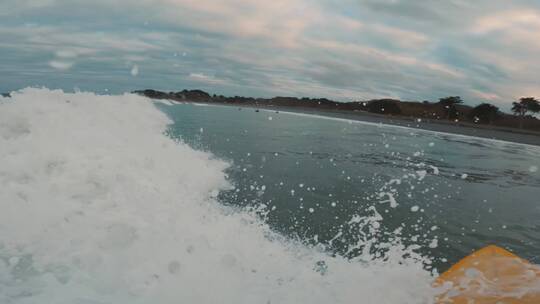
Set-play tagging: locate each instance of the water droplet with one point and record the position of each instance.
(174, 267)
(135, 70)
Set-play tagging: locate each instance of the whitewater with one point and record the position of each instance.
(98, 205)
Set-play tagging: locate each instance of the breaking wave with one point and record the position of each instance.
(98, 205)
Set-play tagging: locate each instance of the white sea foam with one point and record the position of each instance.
(200, 104)
(97, 205)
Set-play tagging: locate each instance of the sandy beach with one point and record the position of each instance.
(462, 128)
(484, 131)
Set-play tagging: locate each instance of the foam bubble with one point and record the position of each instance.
(99, 206)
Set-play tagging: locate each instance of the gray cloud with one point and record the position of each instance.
(359, 49)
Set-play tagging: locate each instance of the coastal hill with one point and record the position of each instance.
(449, 109)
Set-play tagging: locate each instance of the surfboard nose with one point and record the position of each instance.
(490, 275)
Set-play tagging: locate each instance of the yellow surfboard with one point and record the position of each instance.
(490, 275)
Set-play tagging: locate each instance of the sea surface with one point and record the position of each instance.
(113, 199)
(447, 194)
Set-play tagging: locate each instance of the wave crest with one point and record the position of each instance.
(99, 206)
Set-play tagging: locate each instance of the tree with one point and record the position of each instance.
(384, 106)
(525, 104)
(449, 104)
(484, 113)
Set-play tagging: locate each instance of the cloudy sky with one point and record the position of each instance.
(483, 50)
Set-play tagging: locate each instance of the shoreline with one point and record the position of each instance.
(459, 128)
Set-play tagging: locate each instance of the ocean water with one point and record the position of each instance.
(116, 199)
(448, 194)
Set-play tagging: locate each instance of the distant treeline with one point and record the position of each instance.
(448, 108)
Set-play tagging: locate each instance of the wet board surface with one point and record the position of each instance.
(490, 275)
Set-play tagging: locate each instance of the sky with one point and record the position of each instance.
(483, 50)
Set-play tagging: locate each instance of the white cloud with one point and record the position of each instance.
(203, 78)
(402, 38)
(280, 23)
(67, 42)
(61, 65)
(66, 54)
(507, 20)
(355, 52)
(485, 95)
